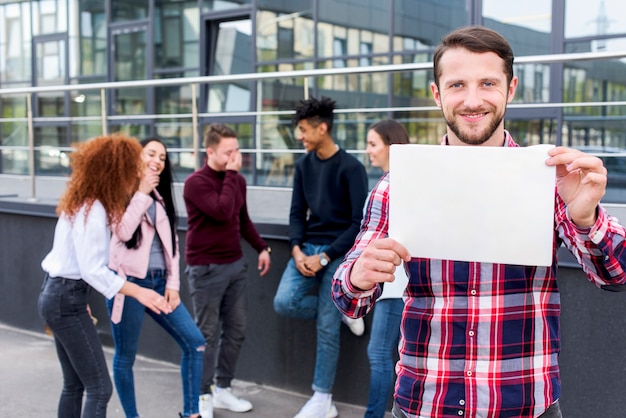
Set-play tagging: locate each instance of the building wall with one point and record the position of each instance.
(280, 352)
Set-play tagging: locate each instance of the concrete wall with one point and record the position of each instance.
(280, 352)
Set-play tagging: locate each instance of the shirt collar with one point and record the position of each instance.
(508, 140)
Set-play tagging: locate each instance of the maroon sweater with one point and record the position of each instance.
(217, 217)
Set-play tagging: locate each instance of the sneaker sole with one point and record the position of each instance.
(232, 409)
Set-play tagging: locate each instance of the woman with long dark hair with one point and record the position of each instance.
(144, 249)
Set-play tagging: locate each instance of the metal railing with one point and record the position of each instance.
(305, 75)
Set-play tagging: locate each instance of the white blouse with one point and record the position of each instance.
(80, 250)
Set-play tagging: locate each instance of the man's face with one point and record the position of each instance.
(473, 93)
(311, 136)
(218, 156)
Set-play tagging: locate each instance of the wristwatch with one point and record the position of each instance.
(324, 260)
(269, 250)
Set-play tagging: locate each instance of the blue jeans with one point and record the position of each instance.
(383, 343)
(179, 324)
(303, 297)
(218, 294)
(63, 305)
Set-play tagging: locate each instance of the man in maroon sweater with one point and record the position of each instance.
(217, 218)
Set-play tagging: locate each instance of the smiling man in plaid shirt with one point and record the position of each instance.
(480, 339)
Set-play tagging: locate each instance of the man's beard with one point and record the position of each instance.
(474, 140)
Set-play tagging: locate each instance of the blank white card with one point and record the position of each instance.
(473, 203)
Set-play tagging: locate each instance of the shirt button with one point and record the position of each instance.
(469, 372)
(460, 412)
(471, 333)
(462, 402)
(473, 292)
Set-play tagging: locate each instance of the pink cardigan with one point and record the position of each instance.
(134, 262)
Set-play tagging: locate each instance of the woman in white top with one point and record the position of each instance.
(385, 332)
(105, 173)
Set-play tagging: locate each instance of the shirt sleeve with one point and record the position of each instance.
(218, 204)
(297, 213)
(131, 219)
(600, 249)
(91, 238)
(357, 189)
(375, 225)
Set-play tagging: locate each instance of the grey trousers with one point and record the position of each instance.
(218, 296)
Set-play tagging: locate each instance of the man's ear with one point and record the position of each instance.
(436, 96)
(322, 128)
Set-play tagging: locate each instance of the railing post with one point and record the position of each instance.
(194, 124)
(31, 146)
(103, 111)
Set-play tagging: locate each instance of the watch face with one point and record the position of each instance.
(323, 261)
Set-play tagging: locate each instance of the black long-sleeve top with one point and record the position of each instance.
(327, 202)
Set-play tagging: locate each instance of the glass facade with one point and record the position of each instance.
(78, 42)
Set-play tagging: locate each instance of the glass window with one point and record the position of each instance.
(534, 83)
(87, 39)
(50, 157)
(526, 25)
(15, 42)
(176, 34)
(598, 45)
(49, 16)
(124, 10)
(284, 36)
(86, 103)
(232, 56)
(214, 5)
(428, 20)
(594, 17)
(130, 64)
(412, 88)
(535, 15)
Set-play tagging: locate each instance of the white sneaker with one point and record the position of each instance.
(357, 326)
(223, 398)
(318, 408)
(205, 405)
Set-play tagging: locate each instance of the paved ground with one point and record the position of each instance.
(31, 380)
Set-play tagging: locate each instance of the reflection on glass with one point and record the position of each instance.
(284, 36)
(85, 103)
(15, 56)
(428, 20)
(214, 5)
(50, 67)
(534, 83)
(176, 34)
(50, 157)
(88, 40)
(49, 16)
(124, 10)
(532, 132)
(594, 17)
(130, 64)
(131, 129)
(82, 131)
(598, 45)
(232, 56)
(535, 15)
(14, 161)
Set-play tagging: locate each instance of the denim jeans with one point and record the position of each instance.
(63, 305)
(382, 346)
(218, 294)
(303, 297)
(179, 324)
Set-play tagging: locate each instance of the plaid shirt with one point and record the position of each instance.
(480, 339)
